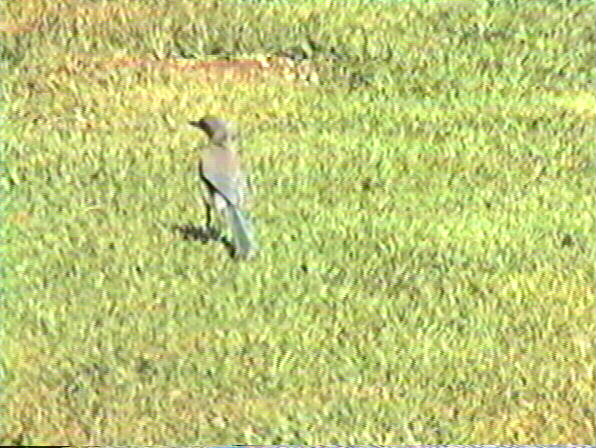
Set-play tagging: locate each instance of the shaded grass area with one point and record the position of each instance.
(424, 207)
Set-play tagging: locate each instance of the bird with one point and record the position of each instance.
(225, 185)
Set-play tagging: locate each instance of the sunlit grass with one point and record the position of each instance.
(424, 204)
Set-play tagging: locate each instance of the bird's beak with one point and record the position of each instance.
(196, 124)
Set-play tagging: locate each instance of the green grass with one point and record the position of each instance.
(425, 209)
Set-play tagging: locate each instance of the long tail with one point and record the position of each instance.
(242, 233)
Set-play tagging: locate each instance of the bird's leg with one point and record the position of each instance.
(209, 227)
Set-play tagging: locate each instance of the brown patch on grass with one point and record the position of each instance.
(240, 70)
(17, 28)
(247, 71)
(21, 218)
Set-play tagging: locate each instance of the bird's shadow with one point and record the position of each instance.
(203, 234)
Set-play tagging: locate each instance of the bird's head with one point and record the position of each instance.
(218, 130)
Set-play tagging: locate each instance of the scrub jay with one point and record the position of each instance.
(225, 184)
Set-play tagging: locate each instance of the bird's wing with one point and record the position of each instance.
(225, 184)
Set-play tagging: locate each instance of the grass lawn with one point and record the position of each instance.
(425, 179)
